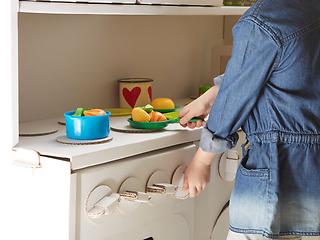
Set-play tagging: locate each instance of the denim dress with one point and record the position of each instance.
(271, 89)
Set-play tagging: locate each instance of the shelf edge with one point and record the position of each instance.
(122, 9)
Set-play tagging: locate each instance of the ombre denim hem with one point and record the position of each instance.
(247, 236)
(276, 191)
(271, 235)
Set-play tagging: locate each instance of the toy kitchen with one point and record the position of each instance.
(71, 54)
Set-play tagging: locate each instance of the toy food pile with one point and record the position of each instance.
(163, 103)
(89, 112)
(146, 114)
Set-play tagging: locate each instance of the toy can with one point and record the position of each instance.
(135, 92)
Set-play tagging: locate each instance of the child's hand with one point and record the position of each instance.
(198, 108)
(197, 174)
(196, 178)
(193, 109)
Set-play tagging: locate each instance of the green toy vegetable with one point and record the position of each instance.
(233, 4)
(78, 112)
(204, 88)
(148, 108)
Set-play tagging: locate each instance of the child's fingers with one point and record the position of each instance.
(193, 191)
(185, 185)
(186, 118)
(199, 123)
(183, 115)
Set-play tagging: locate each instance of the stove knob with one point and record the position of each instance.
(228, 165)
(161, 188)
(177, 180)
(158, 187)
(101, 201)
(132, 195)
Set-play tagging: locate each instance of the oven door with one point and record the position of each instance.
(136, 198)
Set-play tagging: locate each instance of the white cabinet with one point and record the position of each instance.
(38, 202)
(9, 73)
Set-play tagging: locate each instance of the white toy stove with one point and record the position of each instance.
(85, 192)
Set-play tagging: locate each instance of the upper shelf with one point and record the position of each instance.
(124, 9)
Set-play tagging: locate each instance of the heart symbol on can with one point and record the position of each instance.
(131, 96)
(150, 93)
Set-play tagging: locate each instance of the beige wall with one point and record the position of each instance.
(70, 61)
(229, 22)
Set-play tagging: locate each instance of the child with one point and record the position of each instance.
(271, 89)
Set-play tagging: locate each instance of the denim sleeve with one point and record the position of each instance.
(254, 55)
(211, 143)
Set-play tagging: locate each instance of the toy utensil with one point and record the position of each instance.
(156, 125)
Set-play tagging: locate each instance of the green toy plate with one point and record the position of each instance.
(149, 125)
(166, 110)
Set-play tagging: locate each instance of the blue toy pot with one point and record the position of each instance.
(87, 128)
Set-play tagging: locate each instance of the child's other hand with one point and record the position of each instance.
(197, 174)
(196, 178)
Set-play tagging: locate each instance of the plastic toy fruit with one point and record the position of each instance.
(94, 112)
(140, 115)
(157, 117)
(163, 103)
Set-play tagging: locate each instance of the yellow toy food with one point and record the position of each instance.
(157, 117)
(140, 115)
(163, 103)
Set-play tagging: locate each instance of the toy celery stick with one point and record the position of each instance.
(78, 112)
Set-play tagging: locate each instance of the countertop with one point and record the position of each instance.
(121, 146)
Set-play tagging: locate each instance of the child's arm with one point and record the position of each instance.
(197, 174)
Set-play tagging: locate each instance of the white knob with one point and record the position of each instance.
(135, 196)
(101, 201)
(162, 188)
(132, 195)
(105, 206)
(158, 187)
(177, 180)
